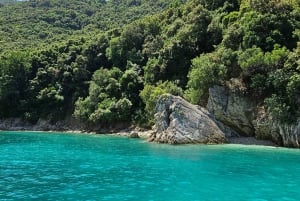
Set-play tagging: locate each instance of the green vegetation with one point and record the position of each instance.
(260, 47)
(8, 1)
(36, 23)
(72, 60)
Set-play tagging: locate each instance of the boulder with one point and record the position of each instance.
(180, 122)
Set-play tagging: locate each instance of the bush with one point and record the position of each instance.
(278, 108)
(207, 70)
(151, 93)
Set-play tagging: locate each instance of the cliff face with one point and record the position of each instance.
(179, 122)
(242, 114)
(232, 109)
(287, 135)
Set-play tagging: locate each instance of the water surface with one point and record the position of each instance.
(55, 166)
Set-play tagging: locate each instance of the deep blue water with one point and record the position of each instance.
(43, 166)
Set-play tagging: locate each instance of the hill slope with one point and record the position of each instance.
(38, 22)
(8, 1)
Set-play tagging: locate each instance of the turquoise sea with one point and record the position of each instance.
(56, 166)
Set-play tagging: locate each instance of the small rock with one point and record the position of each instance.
(133, 134)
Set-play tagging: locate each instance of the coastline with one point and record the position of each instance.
(126, 131)
(145, 134)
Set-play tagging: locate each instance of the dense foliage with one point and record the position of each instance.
(2, 2)
(251, 46)
(39, 22)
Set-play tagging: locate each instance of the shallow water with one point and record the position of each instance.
(43, 166)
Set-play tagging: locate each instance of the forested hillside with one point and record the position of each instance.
(39, 22)
(8, 1)
(251, 46)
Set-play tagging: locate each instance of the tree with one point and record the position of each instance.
(208, 70)
(112, 93)
(14, 74)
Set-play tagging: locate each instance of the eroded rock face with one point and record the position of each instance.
(232, 109)
(290, 134)
(179, 122)
(14, 124)
(243, 115)
(283, 134)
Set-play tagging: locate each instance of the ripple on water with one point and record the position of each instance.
(45, 166)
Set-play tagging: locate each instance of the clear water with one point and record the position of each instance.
(41, 166)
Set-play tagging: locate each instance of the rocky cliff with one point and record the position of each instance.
(283, 134)
(243, 115)
(232, 109)
(229, 114)
(179, 122)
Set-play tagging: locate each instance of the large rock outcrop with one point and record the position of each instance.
(180, 122)
(232, 109)
(283, 134)
(243, 115)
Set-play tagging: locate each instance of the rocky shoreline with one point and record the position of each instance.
(130, 132)
(230, 117)
(133, 132)
(146, 134)
(179, 122)
(70, 125)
